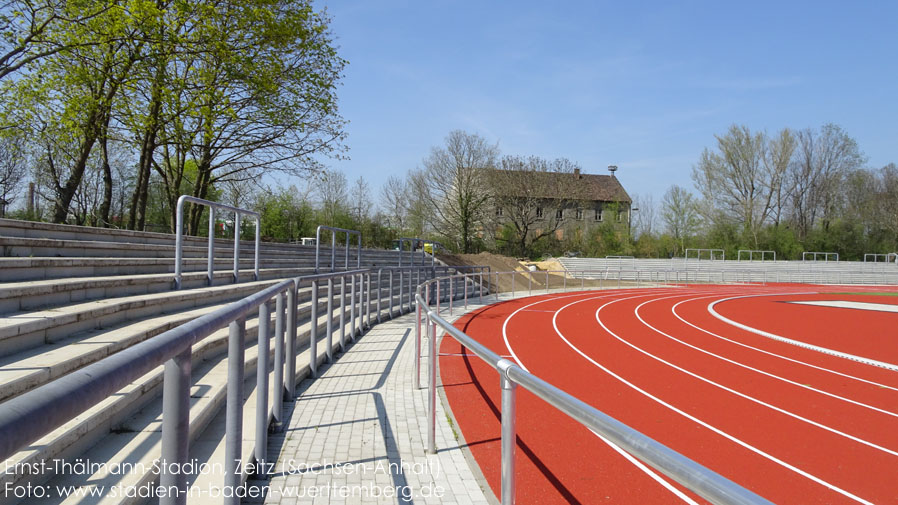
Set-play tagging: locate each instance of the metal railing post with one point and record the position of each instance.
(175, 427)
(401, 290)
(210, 261)
(313, 334)
(439, 300)
(343, 312)
(277, 402)
(236, 247)
(380, 293)
(368, 300)
(179, 243)
(352, 311)
(451, 294)
(261, 448)
(390, 295)
(480, 286)
(465, 287)
(432, 386)
(417, 377)
(330, 312)
(256, 248)
(290, 350)
(509, 435)
(234, 411)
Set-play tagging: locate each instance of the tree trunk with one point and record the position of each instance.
(107, 175)
(138, 211)
(64, 194)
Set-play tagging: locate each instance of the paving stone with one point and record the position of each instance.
(364, 424)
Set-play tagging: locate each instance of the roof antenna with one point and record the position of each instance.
(612, 169)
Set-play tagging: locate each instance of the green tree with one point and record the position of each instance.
(742, 179)
(457, 191)
(286, 214)
(679, 211)
(66, 100)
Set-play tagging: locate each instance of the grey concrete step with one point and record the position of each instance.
(116, 432)
(25, 330)
(25, 370)
(31, 295)
(31, 229)
(13, 269)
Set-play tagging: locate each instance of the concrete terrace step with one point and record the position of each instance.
(33, 367)
(114, 432)
(31, 229)
(16, 246)
(13, 269)
(30, 329)
(31, 295)
(113, 414)
(29, 369)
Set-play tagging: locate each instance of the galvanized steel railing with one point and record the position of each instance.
(26, 418)
(179, 237)
(334, 232)
(699, 479)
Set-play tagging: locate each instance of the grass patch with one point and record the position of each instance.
(452, 427)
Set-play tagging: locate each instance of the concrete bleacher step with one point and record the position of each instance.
(32, 295)
(25, 330)
(16, 246)
(30, 368)
(13, 269)
(107, 434)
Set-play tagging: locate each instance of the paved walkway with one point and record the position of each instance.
(357, 434)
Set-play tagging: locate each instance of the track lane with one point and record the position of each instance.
(548, 471)
(716, 407)
(750, 374)
(726, 454)
(697, 314)
(526, 339)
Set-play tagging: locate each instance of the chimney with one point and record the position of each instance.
(577, 173)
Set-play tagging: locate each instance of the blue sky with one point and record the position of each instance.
(641, 85)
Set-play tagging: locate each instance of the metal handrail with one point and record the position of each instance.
(179, 237)
(27, 417)
(334, 231)
(699, 479)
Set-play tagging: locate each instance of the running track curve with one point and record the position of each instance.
(811, 417)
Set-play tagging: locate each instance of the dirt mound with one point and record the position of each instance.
(523, 280)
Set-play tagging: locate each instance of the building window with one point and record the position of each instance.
(559, 214)
(539, 213)
(498, 211)
(579, 214)
(620, 216)
(598, 214)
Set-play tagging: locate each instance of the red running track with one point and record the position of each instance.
(801, 419)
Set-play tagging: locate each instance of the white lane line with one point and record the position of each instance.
(693, 418)
(648, 471)
(805, 345)
(753, 369)
(848, 304)
(773, 354)
(745, 396)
